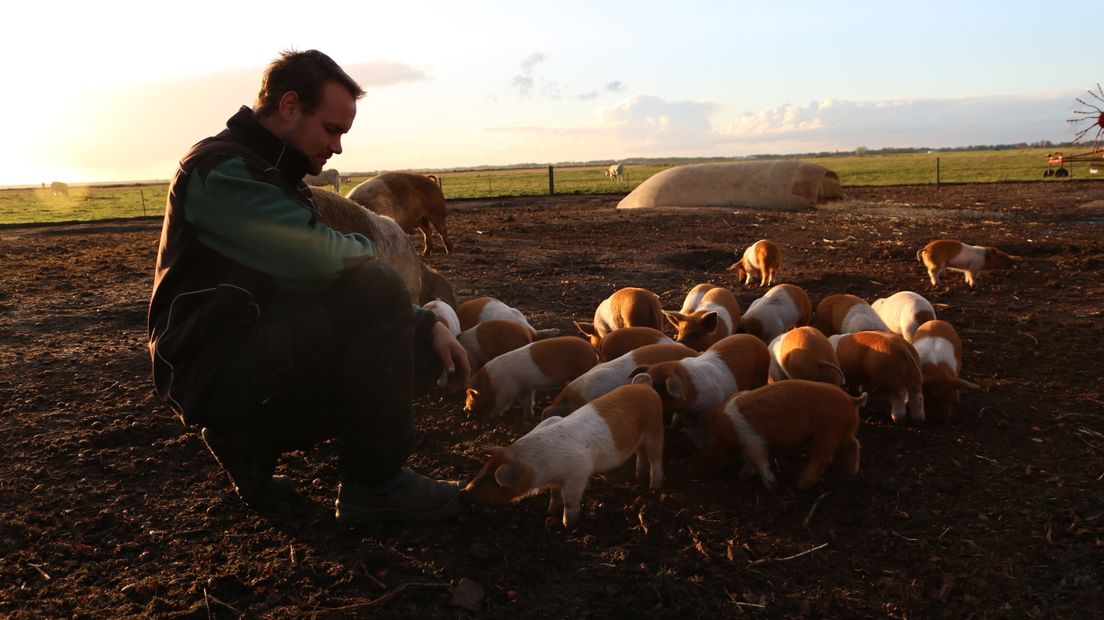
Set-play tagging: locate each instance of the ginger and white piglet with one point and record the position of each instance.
(621, 341)
(626, 307)
(940, 350)
(804, 353)
(904, 311)
(761, 259)
(708, 314)
(480, 309)
(943, 254)
(608, 376)
(787, 415)
(515, 377)
(562, 453)
(447, 317)
(692, 386)
(445, 314)
(780, 309)
(884, 363)
(846, 314)
(492, 338)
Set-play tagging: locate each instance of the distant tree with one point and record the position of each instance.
(861, 151)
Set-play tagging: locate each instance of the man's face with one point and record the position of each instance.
(318, 134)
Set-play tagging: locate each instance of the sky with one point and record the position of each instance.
(119, 90)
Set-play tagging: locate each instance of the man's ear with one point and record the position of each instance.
(289, 106)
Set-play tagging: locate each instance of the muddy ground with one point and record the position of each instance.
(111, 508)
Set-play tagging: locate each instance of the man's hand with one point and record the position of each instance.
(453, 355)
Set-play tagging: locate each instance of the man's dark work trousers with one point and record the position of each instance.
(334, 364)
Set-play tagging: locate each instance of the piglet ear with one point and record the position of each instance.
(642, 369)
(511, 476)
(641, 377)
(709, 321)
(586, 328)
(674, 318)
(674, 387)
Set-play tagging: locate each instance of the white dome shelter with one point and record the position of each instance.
(781, 185)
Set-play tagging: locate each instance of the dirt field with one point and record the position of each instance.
(111, 508)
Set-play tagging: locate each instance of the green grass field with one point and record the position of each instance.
(21, 206)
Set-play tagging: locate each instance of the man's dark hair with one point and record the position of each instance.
(306, 73)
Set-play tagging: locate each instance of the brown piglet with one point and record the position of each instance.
(627, 307)
(787, 415)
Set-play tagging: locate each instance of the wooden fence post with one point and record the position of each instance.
(143, 195)
(551, 184)
(937, 172)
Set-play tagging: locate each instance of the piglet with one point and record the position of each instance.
(708, 314)
(515, 377)
(904, 311)
(955, 255)
(562, 453)
(761, 259)
(626, 307)
(788, 415)
(845, 314)
(804, 353)
(621, 341)
(447, 317)
(885, 363)
(480, 309)
(492, 338)
(445, 314)
(782, 308)
(692, 386)
(940, 350)
(608, 376)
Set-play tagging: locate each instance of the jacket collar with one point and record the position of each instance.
(291, 162)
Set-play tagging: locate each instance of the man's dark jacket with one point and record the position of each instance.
(240, 230)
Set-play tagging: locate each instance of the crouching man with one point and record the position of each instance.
(272, 331)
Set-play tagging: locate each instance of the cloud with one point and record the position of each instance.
(650, 126)
(612, 87)
(523, 81)
(148, 126)
(383, 73)
(648, 121)
(845, 124)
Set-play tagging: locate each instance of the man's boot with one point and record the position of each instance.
(249, 460)
(408, 496)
